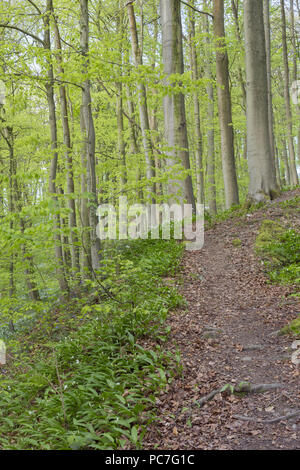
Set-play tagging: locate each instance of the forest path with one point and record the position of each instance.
(227, 335)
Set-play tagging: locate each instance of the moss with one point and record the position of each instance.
(293, 327)
(270, 232)
(237, 242)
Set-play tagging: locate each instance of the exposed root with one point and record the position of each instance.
(268, 421)
(241, 388)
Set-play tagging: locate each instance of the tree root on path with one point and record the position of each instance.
(268, 421)
(241, 388)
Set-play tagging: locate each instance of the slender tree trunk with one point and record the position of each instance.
(286, 163)
(260, 161)
(287, 98)
(295, 68)
(143, 109)
(119, 104)
(89, 136)
(153, 120)
(69, 161)
(266, 12)
(33, 291)
(54, 145)
(174, 103)
(235, 11)
(197, 118)
(224, 104)
(210, 164)
(84, 211)
(134, 144)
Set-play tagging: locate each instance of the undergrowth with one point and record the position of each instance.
(279, 248)
(85, 375)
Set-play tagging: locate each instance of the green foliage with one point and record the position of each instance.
(293, 327)
(235, 212)
(96, 387)
(280, 251)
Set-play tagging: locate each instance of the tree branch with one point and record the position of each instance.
(33, 36)
(195, 9)
(35, 6)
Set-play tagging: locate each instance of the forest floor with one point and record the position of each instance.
(228, 335)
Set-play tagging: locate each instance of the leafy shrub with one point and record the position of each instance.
(96, 388)
(280, 251)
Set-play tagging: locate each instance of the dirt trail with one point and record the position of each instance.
(228, 335)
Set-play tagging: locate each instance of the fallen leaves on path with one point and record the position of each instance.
(228, 335)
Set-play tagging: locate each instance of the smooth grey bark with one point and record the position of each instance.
(235, 11)
(134, 140)
(174, 102)
(266, 13)
(119, 101)
(33, 291)
(295, 45)
(224, 105)
(286, 162)
(262, 183)
(197, 117)
(121, 141)
(68, 153)
(8, 136)
(84, 212)
(287, 99)
(63, 284)
(210, 135)
(153, 120)
(143, 108)
(95, 245)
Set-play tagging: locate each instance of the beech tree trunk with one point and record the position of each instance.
(197, 117)
(295, 45)
(210, 135)
(266, 12)
(174, 103)
(287, 99)
(54, 146)
(143, 108)
(68, 155)
(90, 138)
(260, 161)
(225, 112)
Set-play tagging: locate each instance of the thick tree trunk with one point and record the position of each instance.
(261, 167)
(174, 103)
(225, 112)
